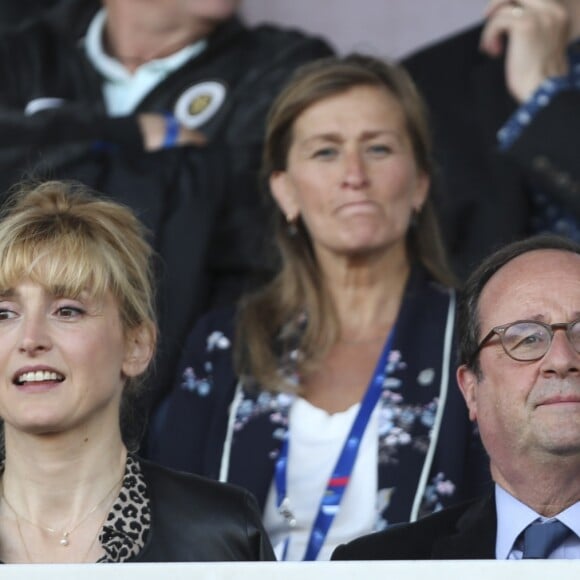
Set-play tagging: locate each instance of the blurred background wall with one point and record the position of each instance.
(386, 28)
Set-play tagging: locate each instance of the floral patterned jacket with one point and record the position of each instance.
(429, 456)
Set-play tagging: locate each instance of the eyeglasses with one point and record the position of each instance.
(527, 340)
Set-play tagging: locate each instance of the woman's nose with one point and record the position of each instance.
(35, 336)
(355, 173)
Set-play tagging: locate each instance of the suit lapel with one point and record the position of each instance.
(476, 534)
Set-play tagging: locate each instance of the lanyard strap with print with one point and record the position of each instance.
(336, 486)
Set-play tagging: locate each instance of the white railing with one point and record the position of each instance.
(400, 570)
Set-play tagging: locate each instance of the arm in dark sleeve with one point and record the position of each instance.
(547, 150)
(64, 125)
(41, 65)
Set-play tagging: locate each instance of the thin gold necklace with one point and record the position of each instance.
(21, 536)
(65, 539)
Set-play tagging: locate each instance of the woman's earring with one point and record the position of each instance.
(291, 227)
(414, 221)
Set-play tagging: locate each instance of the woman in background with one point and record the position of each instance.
(342, 415)
(77, 330)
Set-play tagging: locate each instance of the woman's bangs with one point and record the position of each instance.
(62, 267)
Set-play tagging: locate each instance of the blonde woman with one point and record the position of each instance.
(77, 331)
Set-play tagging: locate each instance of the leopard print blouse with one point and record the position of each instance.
(127, 525)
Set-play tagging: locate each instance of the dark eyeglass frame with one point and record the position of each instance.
(500, 331)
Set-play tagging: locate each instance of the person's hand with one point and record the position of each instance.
(154, 130)
(534, 35)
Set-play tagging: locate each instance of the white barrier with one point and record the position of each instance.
(400, 570)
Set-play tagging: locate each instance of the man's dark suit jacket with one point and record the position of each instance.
(483, 200)
(463, 532)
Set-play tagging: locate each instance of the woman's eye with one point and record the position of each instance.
(379, 149)
(6, 314)
(325, 153)
(69, 312)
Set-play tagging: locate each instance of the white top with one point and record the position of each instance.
(513, 517)
(316, 440)
(124, 90)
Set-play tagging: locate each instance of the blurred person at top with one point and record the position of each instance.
(504, 100)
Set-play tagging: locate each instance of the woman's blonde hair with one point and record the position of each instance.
(70, 240)
(293, 318)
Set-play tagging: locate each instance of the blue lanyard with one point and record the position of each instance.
(342, 471)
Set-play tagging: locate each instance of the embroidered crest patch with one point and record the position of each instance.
(199, 103)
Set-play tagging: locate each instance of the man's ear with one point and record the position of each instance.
(139, 350)
(468, 383)
(283, 192)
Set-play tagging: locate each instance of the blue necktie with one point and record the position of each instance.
(541, 539)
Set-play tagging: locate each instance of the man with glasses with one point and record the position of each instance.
(519, 326)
